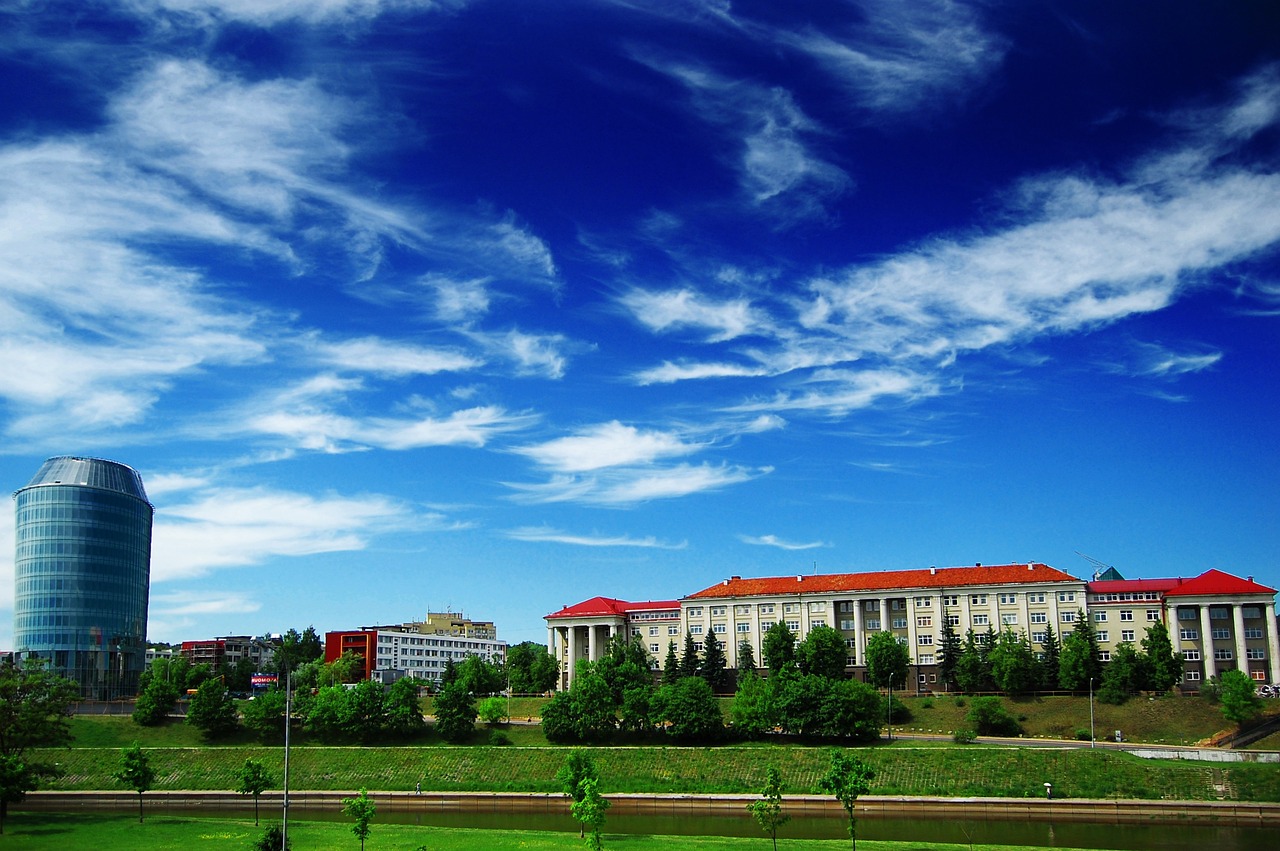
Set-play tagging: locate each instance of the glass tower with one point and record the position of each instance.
(82, 572)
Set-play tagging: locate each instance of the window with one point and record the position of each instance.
(846, 625)
(924, 640)
(1255, 654)
(902, 639)
(849, 661)
(673, 630)
(1192, 676)
(1260, 676)
(1126, 635)
(1103, 635)
(899, 623)
(794, 626)
(790, 608)
(695, 612)
(1100, 617)
(1068, 617)
(924, 602)
(653, 631)
(1252, 632)
(1223, 655)
(1220, 634)
(697, 646)
(1189, 634)
(846, 606)
(873, 624)
(766, 608)
(742, 610)
(954, 620)
(765, 626)
(744, 627)
(871, 606)
(1126, 614)
(950, 599)
(717, 611)
(653, 648)
(981, 620)
(814, 624)
(925, 659)
(719, 628)
(1039, 617)
(1104, 655)
(977, 599)
(1066, 596)
(1249, 612)
(817, 607)
(1216, 614)
(696, 629)
(1008, 599)
(1035, 598)
(926, 620)
(897, 605)
(1039, 637)
(1153, 615)
(851, 643)
(1185, 614)
(1009, 619)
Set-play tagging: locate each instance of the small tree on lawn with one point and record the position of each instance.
(273, 839)
(589, 810)
(135, 772)
(846, 779)
(493, 710)
(578, 766)
(254, 779)
(1239, 696)
(362, 809)
(455, 711)
(768, 810)
(212, 710)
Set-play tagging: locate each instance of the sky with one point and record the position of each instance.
(494, 306)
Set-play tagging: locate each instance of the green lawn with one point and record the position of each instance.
(55, 832)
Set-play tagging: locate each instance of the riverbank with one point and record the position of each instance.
(304, 803)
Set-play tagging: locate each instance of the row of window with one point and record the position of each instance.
(895, 604)
(1218, 613)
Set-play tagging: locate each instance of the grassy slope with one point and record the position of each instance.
(55, 832)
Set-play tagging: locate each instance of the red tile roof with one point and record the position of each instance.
(1122, 586)
(1215, 582)
(598, 606)
(889, 580)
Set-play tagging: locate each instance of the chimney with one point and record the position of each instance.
(933, 571)
(977, 564)
(1030, 566)
(800, 578)
(735, 577)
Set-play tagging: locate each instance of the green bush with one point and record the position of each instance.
(497, 738)
(927, 703)
(964, 737)
(960, 702)
(1083, 735)
(989, 717)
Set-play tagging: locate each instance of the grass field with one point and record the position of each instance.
(53, 832)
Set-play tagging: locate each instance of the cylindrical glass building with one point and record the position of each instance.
(82, 573)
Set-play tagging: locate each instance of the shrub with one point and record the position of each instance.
(1083, 735)
(989, 717)
(271, 839)
(927, 703)
(960, 702)
(964, 737)
(497, 738)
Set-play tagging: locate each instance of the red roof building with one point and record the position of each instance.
(582, 631)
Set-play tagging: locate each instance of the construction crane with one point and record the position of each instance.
(1100, 566)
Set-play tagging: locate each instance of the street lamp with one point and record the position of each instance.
(888, 708)
(288, 693)
(1092, 738)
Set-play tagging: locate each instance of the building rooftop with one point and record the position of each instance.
(608, 606)
(89, 472)
(934, 578)
(1216, 582)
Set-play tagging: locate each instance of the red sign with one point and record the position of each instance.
(262, 680)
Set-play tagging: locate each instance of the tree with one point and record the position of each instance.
(273, 839)
(135, 771)
(1051, 661)
(366, 717)
(480, 676)
(670, 665)
(973, 673)
(746, 660)
(690, 709)
(887, 660)
(455, 711)
(637, 709)
(989, 718)
(1239, 696)
(1122, 676)
(949, 654)
(329, 713)
(254, 779)
(155, 702)
(779, 649)
(34, 713)
(1090, 662)
(589, 810)
(823, 653)
(531, 669)
(361, 808)
(689, 662)
(402, 709)
(493, 710)
(264, 716)
(578, 767)
(851, 709)
(768, 810)
(846, 779)
(1075, 663)
(449, 674)
(212, 711)
(714, 665)
(1013, 665)
(297, 648)
(1164, 667)
(751, 713)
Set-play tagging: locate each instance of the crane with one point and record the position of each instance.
(1100, 566)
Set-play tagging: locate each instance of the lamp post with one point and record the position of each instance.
(888, 708)
(284, 818)
(1092, 738)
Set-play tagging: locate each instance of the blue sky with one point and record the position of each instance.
(496, 305)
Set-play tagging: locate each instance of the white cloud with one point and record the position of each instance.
(179, 603)
(531, 354)
(685, 308)
(386, 357)
(267, 13)
(1157, 361)
(236, 527)
(775, 541)
(669, 372)
(544, 534)
(631, 486)
(609, 444)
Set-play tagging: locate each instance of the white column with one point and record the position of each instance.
(1273, 640)
(884, 614)
(591, 642)
(859, 641)
(1206, 644)
(1175, 629)
(1237, 625)
(573, 654)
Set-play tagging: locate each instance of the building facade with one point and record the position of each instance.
(1216, 621)
(418, 649)
(82, 571)
(226, 651)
